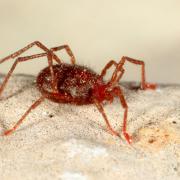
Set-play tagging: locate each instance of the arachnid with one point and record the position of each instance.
(71, 83)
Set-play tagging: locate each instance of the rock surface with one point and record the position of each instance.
(67, 142)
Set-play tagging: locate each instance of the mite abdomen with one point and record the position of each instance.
(74, 83)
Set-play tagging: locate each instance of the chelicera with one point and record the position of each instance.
(75, 84)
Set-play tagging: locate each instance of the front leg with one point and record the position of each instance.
(118, 92)
(108, 65)
(144, 84)
(115, 77)
(101, 110)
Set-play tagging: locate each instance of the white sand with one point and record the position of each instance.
(67, 142)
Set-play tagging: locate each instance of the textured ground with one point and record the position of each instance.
(67, 142)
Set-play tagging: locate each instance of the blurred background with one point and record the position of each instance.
(97, 31)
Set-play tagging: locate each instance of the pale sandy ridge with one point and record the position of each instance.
(67, 142)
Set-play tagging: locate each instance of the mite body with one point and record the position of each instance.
(71, 83)
(74, 84)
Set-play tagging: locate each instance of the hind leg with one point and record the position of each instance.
(50, 56)
(33, 106)
(144, 84)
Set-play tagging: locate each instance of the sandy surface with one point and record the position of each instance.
(67, 142)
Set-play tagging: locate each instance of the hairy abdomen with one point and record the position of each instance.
(74, 83)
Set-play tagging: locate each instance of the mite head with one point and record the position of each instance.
(102, 91)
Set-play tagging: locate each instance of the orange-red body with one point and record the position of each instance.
(74, 83)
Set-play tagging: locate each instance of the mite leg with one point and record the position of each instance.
(144, 84)
(120, 75)
(68, 50)
(118, 92)
(20, 59)
(101, 110)
(33, 106)
(115, 77)
(108, 65)
(19, 52)
(51, 56)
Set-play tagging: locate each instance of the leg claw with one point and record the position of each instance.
(149, 86)
(128, 138)
(114, 133)
(8, 132)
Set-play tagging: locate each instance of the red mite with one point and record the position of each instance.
(71, 83)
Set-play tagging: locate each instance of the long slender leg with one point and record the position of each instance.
(118, 92)
(20, 59)
(144, 84)
(120, 75)
(115, 77)
(36, 56)
(33, 106)
(68, 50)
(19, 52)
(108, 65)
(50, 56)
(101, 110)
